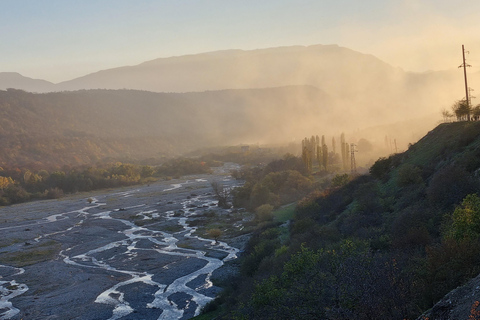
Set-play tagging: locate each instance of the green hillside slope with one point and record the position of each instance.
(387, 245)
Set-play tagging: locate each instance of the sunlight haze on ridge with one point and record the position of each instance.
(61, 40)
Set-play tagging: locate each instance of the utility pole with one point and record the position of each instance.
(465, 65)
(470, 94)
(353, 164)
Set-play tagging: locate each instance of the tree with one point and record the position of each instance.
(222, 194)
(264, 213)
(462, 110)
(476, 112)
(447, 115)
(146, 171)
(319, 154)
(408, 174)
(344, 150)
(325, 156)
(215, 234)
(466, 219)
(5, 182)
(364, 145)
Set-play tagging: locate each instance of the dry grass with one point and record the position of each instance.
(32, 254)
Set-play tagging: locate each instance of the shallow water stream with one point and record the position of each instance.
(128, 254)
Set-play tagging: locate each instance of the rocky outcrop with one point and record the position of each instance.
(463, 303)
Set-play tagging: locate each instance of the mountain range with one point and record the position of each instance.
(235, 96)
(350, 77)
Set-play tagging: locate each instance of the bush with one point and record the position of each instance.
(264, 213)
(449, 265)
(16, 194)
(54, 193)
(409, 174)
(340, 180)
(450, 185)
(466, 219)
(215, 234)
(381, 168)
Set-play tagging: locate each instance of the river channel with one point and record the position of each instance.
(120, 254)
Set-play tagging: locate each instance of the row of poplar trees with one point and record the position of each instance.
(316, 150)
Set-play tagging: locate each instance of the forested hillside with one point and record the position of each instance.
(365, 90)
(79, 127)
(387, 245)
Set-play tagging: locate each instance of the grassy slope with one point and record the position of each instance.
(393, 218)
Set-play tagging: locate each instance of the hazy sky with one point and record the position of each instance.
(58, 40)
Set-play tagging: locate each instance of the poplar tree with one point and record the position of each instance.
(307, 154)
(319, 152)
(304, 153)
(325, 156)
(343, 151)
(347, 155)
(313, 150)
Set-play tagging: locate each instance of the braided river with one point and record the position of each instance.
(129, 253)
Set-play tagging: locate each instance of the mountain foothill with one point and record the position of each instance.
(168, 106)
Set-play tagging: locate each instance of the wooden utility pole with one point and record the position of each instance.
(465, 65)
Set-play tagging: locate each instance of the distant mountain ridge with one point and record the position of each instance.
(81, 127)
(352, 78)
(233, 69)
(234, 96)
(17, 81)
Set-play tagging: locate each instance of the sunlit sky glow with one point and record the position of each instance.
(59, 40)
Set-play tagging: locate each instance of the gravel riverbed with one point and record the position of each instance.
(119, 254)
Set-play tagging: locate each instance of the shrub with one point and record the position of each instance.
(409, 174)
(215, 234)
(264, 213)
(340, 180)
(450, 185)
(16, 194)
(54, 193)
(381, 168)
(466, 219)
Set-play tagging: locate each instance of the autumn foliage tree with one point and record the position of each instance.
(215, 234)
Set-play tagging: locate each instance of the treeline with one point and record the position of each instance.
(279, 182)
(315, 151)
(462, 111)
(387, 245)
(20, 185)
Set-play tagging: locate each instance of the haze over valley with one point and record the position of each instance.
(169, 106)
(169, 160)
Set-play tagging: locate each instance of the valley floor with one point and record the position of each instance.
(119, 254)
